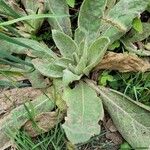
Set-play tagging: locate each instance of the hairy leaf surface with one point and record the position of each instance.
(64, 43)
(84, 111)
(132, 119)
(59, 7)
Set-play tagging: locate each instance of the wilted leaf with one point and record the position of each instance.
(12, 98)
(62, 24)
(64, 43)
(123, 63)
(131, 118)
(84, 111)
(44, 122)
(17, 117)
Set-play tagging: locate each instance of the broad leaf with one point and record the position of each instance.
(89, 16)
(121, 16)
(96, 52)
(64, 43)
(84, 111)
(48, 68)
(39, 49)
(37, 79)
(69, 77)
(134, 36)
(132, 119)
(62, 24)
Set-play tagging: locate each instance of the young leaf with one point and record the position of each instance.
(69, 77)
(84, 111)
(134, 36)
(62, 24)
(64, 43)
(137, 25)
(132, 119)
(96, 52)
(71, 3)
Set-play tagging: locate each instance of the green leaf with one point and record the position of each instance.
(62, 24)
(114, 45)
(120, 17)
(71, 3)
(84, 111)
(89, 18)
(137, 25)
(64, 43)
(37, 49)
(6, 9)
(29, 17)
(90, 12)
(31, 8)
(134, 36)
(19, 116)
(29, 44)
(124, 146)
(96, 52)
(69, 77)
(12, 48)
(104, 78)
(36, 79)
(131, 118)
(48, 68)
(133, 49)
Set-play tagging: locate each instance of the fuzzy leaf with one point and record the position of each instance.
(69, 77)
(48, 68)
(62, 24)
(131, 118)
(134, 36)
(84, 111)
(121, 16)
(64, 43)
(96, 52)
(89, 18)
(90, 12)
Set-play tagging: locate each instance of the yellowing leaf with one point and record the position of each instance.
(84, 111)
